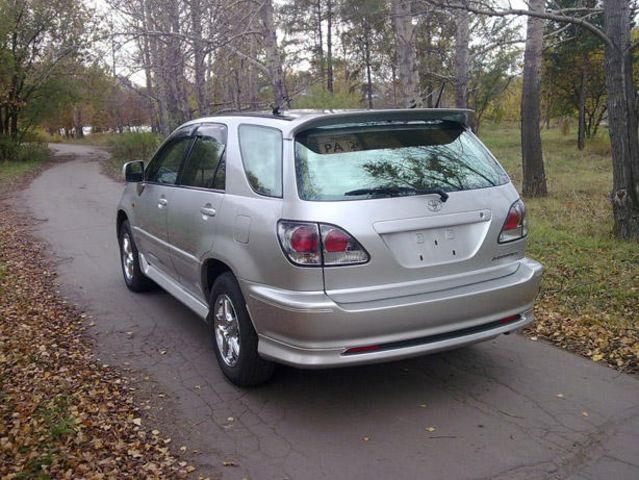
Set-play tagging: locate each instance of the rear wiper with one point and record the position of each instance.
(398, 190)
(443, 196)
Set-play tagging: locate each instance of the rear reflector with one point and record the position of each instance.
(512, 318)
(367, 348)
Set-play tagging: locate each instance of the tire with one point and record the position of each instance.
(233, 335)
(134, 279)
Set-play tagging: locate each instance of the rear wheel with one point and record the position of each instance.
(234, 338)
(135, 280)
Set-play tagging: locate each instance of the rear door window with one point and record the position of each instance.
(356, 162)
(261, 149)
(206, 167)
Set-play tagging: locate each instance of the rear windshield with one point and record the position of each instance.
(356, 162)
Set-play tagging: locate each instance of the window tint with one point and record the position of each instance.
(164, 168)
(356, 162)
(261, 149)
(205, 166)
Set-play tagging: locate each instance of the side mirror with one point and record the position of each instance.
(133, 172)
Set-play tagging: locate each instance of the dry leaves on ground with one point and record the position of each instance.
(618, 345)
(62, 414)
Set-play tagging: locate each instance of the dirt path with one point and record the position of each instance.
(510, 408)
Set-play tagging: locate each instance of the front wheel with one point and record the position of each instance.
(234, 338)
(134, 278)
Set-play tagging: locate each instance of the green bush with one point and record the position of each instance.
(133, 146)
(19, 160)
(126, 147)
(33, 149)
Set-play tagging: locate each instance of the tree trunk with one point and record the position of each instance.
(14, 113)
(77, 122)
(146, 56)
(157, 65)
(622, 119)
(199, 57)
(462, 67)
(367, 59)
(320, 41)
(176, 64)
(273, 59)
(425, 61)
(394, 79)
(534, 177)
(406, 58)
(252, 76)
(329, 46)
(581, 130)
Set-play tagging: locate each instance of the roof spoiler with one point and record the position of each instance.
(464, 117)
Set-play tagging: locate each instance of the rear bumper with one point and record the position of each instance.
(308, 329)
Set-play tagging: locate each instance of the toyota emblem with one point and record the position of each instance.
(434, 204)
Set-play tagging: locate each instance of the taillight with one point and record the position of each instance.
(301, 242)
(314, 244)
(340, 248)
(516, 224)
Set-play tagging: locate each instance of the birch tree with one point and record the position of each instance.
(462, 66)
(273, 58)
(406, 57)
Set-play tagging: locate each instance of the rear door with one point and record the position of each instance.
(154, 201)
(192, 219)
(425, 199)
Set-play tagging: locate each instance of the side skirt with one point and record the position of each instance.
(168, 284)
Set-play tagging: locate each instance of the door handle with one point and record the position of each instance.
(162, 202)
(207, 211)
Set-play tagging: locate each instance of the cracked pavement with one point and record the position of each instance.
(506, 409)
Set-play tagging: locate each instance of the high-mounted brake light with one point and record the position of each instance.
(316, 244)
(516, 224)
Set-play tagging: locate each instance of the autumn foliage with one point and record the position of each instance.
(62, 413)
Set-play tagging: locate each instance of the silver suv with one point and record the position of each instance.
(325, 239)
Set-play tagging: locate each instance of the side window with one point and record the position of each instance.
(261, 149)
(165, 167)
(205, 166)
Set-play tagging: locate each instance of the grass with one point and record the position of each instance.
(26, 159)
(124, 147)
(11, 171)
(589, 274)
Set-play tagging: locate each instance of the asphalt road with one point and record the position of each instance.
(507, 409)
